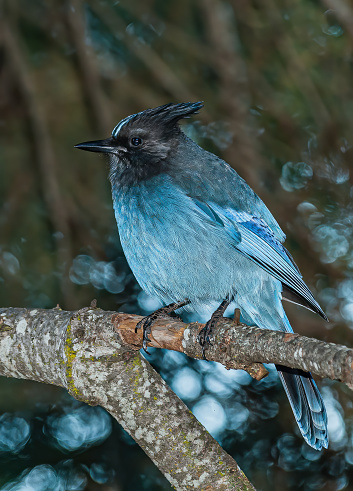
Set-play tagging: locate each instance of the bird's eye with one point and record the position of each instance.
(136, 141)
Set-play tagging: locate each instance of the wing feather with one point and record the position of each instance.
(258, 243)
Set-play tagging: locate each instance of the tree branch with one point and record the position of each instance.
(242, 347)
(86, 352)
(94, 355)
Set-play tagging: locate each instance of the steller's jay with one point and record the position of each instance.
(195, 234)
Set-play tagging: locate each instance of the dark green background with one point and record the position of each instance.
(276, 78)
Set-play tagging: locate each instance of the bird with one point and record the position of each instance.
(197, 236)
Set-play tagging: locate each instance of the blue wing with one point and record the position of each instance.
(254, 239)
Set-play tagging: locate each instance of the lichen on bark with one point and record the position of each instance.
(84, 353)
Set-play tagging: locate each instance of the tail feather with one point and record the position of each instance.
(304, 397)
(307, 405)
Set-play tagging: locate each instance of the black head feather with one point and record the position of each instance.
(168, 114)
(142, 145)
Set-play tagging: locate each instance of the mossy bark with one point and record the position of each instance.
(84, 353)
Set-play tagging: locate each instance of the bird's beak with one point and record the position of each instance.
(102, 146)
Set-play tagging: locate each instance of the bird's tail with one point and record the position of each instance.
(302, 392)
(307, 404)
(306, 401)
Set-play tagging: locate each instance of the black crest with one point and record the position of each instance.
(143, 144)
(168, 114)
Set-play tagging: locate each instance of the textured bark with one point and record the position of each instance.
(95, 355)
(86, 352)
(175, 335)
(244, 347)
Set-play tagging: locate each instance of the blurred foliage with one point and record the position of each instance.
(276, 78)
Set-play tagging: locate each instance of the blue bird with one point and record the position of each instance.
(196, 235)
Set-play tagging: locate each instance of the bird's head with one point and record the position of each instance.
(141, 143)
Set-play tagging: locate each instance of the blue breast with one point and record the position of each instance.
(174, 249)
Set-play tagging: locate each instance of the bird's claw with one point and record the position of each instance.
(162, 313)
(204, 338)
(205, 333)
(145, 324)
(146, 340)
(144, 346)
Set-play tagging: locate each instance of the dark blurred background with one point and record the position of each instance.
(276, 78)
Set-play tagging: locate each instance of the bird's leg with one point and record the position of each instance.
(205, 333)
(147, 322)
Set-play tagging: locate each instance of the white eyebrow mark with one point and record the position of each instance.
(122, 123)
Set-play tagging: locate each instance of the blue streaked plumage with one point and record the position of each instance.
(192, 228)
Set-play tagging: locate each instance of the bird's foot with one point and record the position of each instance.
(147, 322)
(204, 336)
(205, 333)
(146, 325)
